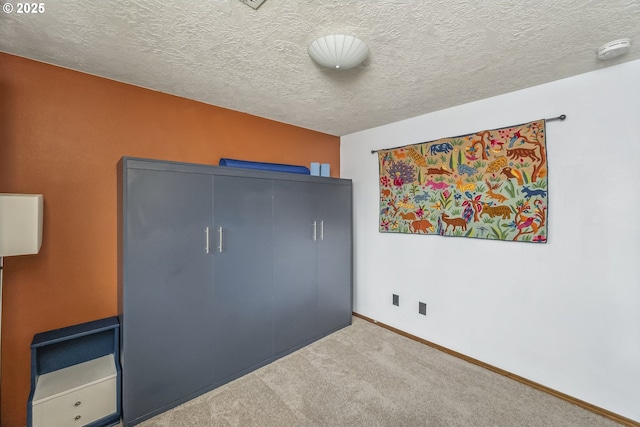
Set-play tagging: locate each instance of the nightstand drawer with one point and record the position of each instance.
(78, 407)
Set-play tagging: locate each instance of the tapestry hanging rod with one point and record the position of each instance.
(552, 119)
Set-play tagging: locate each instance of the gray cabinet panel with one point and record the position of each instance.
(334, 257)
(294, 264)
(192, 320)
(168, 292)
(243, 273)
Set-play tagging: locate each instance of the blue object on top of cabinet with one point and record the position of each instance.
(275, 167)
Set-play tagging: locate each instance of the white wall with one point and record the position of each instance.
(565, 314)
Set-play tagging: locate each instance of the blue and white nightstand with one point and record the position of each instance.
(75, 376)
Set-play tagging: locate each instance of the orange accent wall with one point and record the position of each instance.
(62, 133)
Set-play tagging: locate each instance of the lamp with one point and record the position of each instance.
(20, 230)
(338, 51)
(20, 224)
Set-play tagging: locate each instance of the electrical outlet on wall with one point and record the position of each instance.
(396, 300)
(422, 308)
(253, 3)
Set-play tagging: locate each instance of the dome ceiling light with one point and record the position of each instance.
(338, 51)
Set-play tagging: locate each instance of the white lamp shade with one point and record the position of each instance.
(20, 224)
(338, 51)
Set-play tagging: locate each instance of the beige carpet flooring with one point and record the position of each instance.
(365, 375)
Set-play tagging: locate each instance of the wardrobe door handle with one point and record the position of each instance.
(321, 230)
(206, 240)
(220, 242)
(314, 230)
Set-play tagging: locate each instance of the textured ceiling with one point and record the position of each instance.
(425, 55)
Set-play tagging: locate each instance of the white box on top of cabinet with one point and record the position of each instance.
(76, 395)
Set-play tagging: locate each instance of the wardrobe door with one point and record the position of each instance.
(334, 257)
(294, 275)
(243, 273)
(167, 290)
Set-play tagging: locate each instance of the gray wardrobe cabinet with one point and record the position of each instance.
(312, 224)
(221, 271)
(242, 272)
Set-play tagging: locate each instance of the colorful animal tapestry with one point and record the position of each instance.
(490, 185)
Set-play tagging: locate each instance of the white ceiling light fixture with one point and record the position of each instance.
(338, 51)
(613, 49)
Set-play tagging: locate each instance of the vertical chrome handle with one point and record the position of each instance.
(321, 230)
(206, 240)
(220, 242)
(314, 231)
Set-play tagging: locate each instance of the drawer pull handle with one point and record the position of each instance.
(78, 403)
(77, 417)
